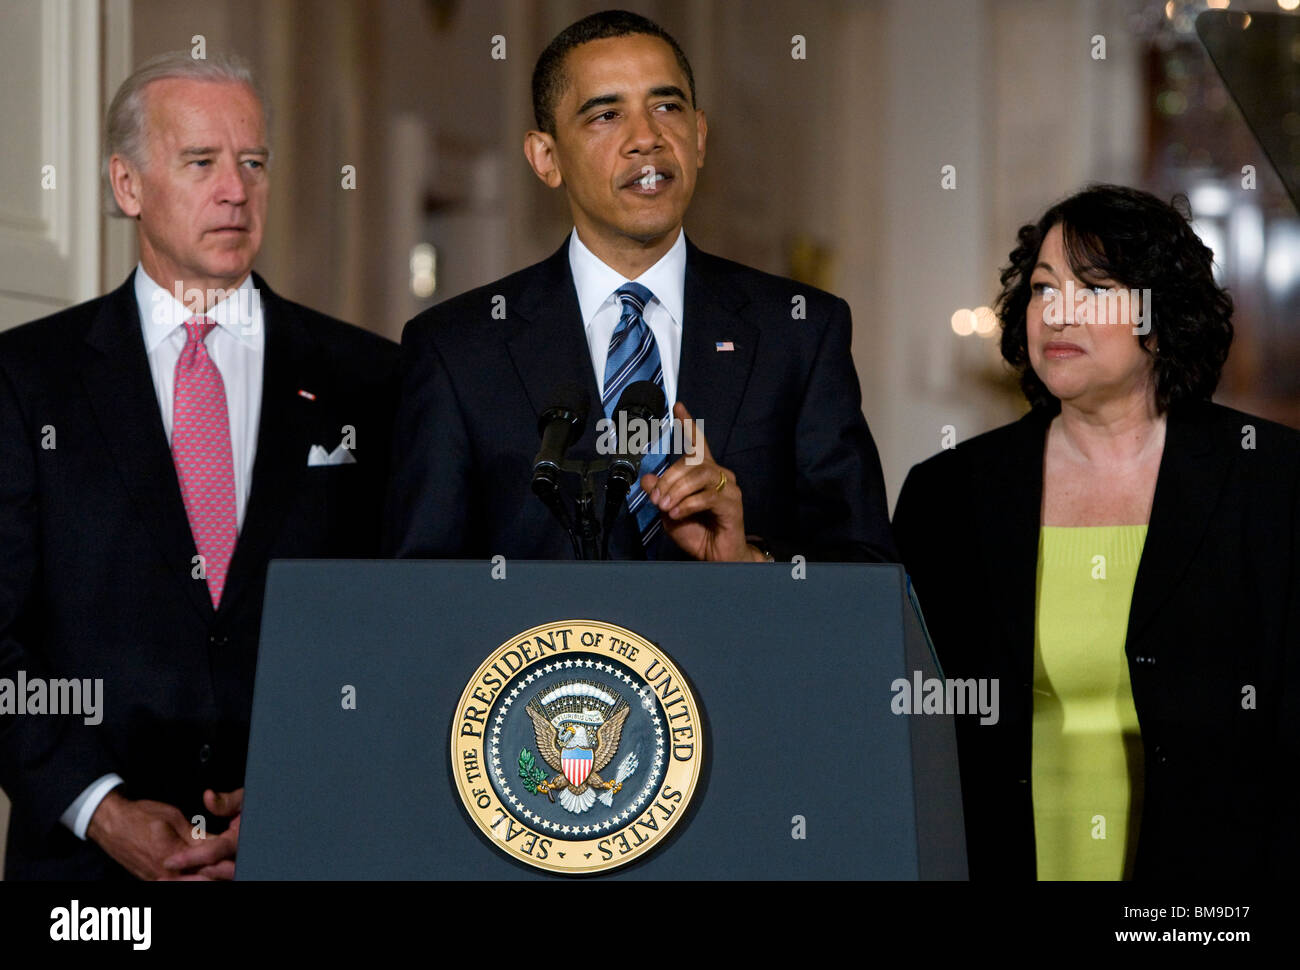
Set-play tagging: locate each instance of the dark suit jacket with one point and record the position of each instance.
(95, 575)
(1216, 608)
(782, 411)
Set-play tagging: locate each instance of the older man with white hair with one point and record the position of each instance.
(158, 446)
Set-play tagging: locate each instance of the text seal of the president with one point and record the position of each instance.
(577, 746)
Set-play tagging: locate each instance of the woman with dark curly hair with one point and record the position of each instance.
(1125, 560)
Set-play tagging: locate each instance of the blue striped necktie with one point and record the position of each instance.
(634, 357)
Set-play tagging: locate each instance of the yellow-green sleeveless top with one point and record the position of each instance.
(1087, 753)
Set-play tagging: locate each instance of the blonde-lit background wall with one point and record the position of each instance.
(826, 167)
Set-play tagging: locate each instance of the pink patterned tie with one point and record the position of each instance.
(201, 451)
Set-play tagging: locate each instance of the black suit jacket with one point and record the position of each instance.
(95, 575)
(782, 411)
(1215, 610)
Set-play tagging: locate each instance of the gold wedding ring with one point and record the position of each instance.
(722, 482)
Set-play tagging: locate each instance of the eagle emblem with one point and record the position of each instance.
(578, 725)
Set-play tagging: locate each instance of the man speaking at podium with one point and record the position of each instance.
(783, 462)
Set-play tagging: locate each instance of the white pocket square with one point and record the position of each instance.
(317, 455)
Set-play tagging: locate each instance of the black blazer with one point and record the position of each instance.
(782, 410)
(95, 572)
(1215, 610)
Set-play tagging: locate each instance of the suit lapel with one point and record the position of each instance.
(1008, 507)
(1192, 472)
(284, 435)
(711, 383)
(548, 342)
(115, 372)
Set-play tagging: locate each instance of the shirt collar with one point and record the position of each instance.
(161, 313)
(596, 282)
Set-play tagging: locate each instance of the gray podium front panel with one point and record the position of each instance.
(793, 678)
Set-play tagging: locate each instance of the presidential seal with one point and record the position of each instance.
(576, 746)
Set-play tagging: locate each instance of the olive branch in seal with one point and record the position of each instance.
(529, 772)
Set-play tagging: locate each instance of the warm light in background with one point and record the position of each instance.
(1288, 4)
(986, 321)
(424, 270)
(982, 320)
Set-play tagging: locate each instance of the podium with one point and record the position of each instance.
(806, 771)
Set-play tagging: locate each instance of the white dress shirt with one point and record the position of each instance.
(237, 347)
(596, 284)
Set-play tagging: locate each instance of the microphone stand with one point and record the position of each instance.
(616, 490)
(584, 528)
(588, 526)
(548, 490)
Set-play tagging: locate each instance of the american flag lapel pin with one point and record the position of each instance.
(307, 394)
(724, 346)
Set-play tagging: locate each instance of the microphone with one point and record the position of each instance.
(560, 426)
(642, 402)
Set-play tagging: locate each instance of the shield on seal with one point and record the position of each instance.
(577, 764)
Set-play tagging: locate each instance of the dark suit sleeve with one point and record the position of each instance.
(383, 397)
(429, 493)
(935, 543)
(46, 761)
(927, 547)
(910, 522)
(840, 489)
